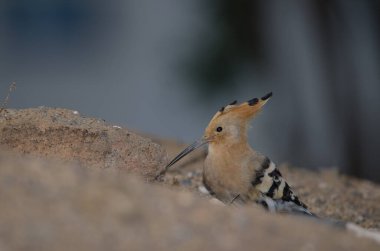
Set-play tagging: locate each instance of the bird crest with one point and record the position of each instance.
(245, 110)
(230, 122)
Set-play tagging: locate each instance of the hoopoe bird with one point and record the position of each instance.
(233, 172)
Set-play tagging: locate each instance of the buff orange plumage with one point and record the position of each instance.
(235, 173)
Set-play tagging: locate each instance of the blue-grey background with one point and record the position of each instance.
(165, 67)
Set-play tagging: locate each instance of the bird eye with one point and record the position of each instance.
(219, 129)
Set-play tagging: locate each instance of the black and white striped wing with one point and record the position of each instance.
(276, 192)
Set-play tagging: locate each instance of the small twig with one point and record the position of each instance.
(12, 87)
(237, 196)
(160, 174)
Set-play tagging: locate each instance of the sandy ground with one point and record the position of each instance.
(68, 182)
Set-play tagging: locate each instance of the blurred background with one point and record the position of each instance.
(165, 67)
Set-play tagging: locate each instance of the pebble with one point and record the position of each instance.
(186, 182)
(203, 190)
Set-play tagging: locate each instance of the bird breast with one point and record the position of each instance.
(225, 174)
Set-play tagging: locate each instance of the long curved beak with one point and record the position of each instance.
(197, 144)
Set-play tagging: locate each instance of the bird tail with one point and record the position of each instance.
(281, 206)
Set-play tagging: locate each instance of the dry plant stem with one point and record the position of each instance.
(12, 87)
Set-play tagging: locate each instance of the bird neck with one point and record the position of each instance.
(229, 147)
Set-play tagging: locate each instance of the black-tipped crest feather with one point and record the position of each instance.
(233, 102)
(267, 96)
(253, 101)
